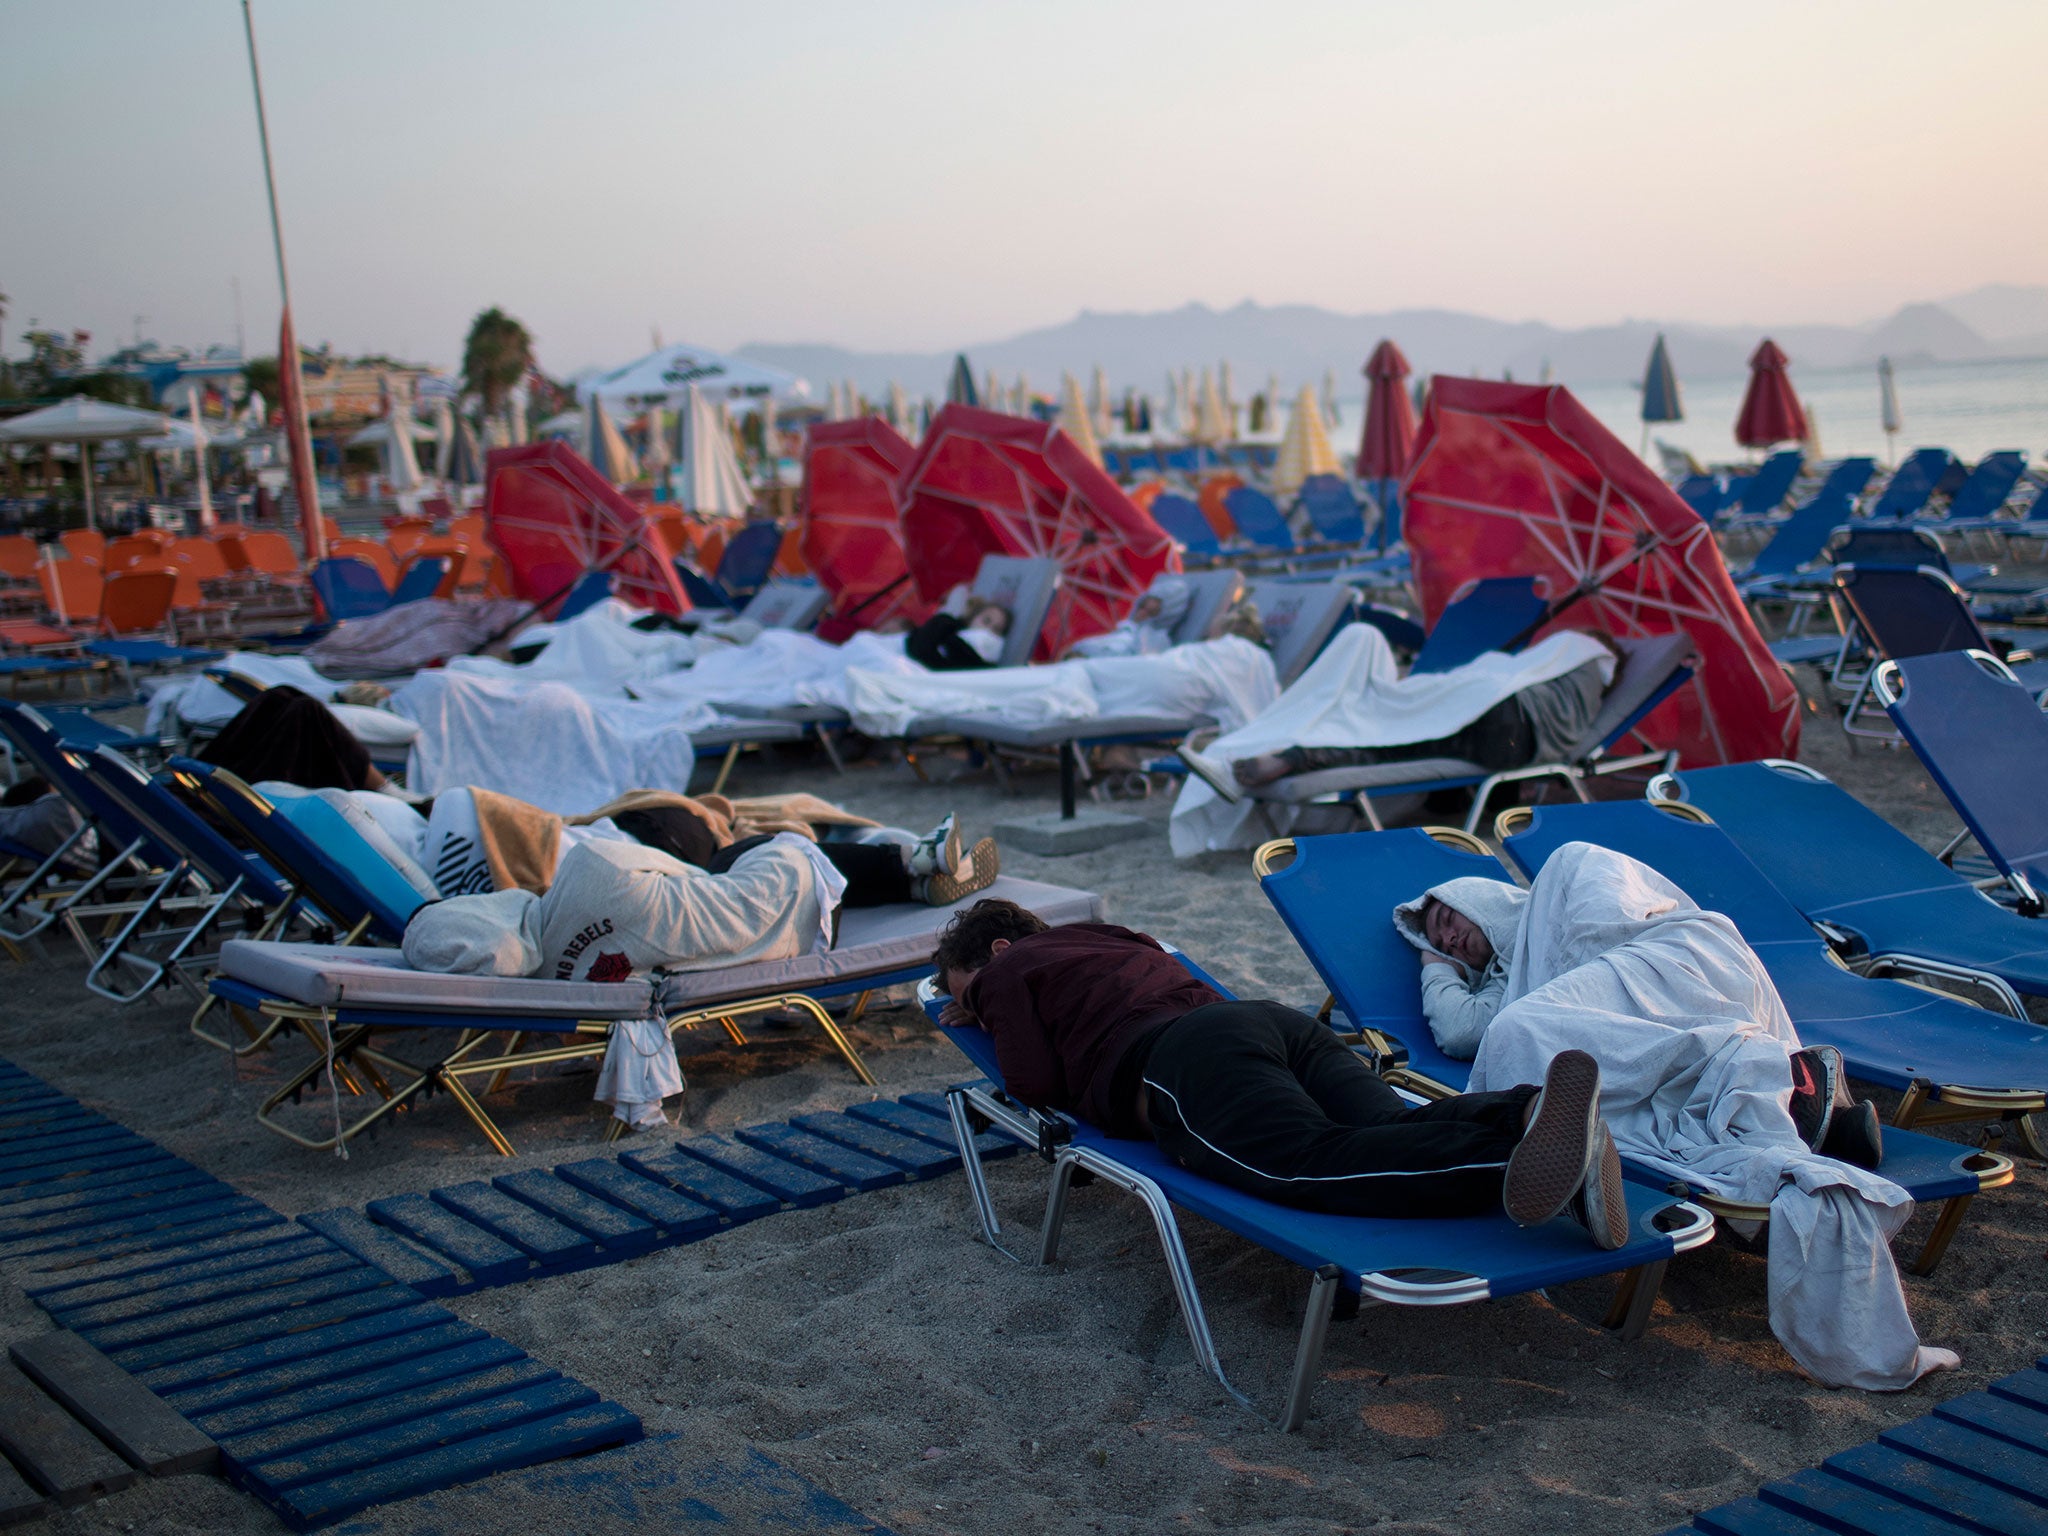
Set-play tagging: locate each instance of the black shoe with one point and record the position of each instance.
(1564, 1137)
(1601, 1205)
(1816, 1086)
(1855, 1135)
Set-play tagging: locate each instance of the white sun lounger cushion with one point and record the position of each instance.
(874, 941)
(329, 975)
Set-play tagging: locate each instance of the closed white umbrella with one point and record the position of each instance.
(1888, 406)
(1305, 450)
(1098, 403)
(605, 447)
(199, 460)
(515, 417)
(1330, 396)
(1212, 422)
(444, 436)
(655, 457)
(401, 463)
(1073, 419)
(708, 479)
(899, 410)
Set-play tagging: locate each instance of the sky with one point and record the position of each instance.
(920, 176)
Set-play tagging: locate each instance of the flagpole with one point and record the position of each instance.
(291, 382)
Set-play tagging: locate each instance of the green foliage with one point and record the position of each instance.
(261, 375)
(496, 357)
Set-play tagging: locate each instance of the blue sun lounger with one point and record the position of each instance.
(1408, 1263)
(1186, 526)
(1949, 1061)
(1900, 613)
(1758, 495)
(1906, 493)
(1980, 498)
(1495, 613)
(1982, 737)
(1259, 523)
(1337, 897)
(1891, 906)
(1331, 510)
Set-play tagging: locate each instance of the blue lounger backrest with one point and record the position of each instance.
(1909, 611)
(1183, 522)
(39, 742)
(1894, 544)
(591, 588)
(312, 845)
(349, 588)
(1025, 585)
(1765, 491)
(1914, 482)
(1983, 738)
(1492, 614)
(172, 823)
(1332, 511)
(1989, 487)
(749, 557)
(1300, 618)
(1210, 595)
(1703, 493)
(421, 580)
(1258, 520)
(1799, 540)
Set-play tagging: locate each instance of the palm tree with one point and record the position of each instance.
(495, 358)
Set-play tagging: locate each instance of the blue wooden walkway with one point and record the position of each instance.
(1978, 1463)
(329, 1384)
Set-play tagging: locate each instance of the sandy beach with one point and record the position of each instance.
(880, 1350)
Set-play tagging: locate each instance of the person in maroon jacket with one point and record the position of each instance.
(1103, 1022)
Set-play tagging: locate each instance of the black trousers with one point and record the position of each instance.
(1499, 739)
(875, 875)
(1266, 1100)
(291, 737)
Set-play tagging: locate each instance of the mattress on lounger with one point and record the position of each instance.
(1299, 788)
(1093, 728)
(872, 940)
(875, 941)
(327, 975)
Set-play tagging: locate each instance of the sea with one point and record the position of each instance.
(1971, 409)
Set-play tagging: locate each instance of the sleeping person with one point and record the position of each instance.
(1149, 628)
(1703, 1078)
(962, 642)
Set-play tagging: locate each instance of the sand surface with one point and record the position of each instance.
(876, 1347)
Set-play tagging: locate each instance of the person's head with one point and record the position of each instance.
(983, 614)
(1243, 622)
(1149, 608)
(1453, 933)
(1612, 646)
(977, 936)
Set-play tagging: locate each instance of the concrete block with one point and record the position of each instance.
(1048, 833)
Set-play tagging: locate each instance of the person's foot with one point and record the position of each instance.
(1601, 1204)
(1251, 772)
(1212, 773)
(1816, 1091)
(1855, 1135)
(938, 851)
(1550, 1163)
(943, 888)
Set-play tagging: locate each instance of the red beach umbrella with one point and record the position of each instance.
(848, 534)
(554, 518)
(1771, 412)
(1389, 436)
(1521, 480)
(984, 483)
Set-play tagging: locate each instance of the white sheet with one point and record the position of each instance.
(1353, 695)
(1230, 680)
(1693, 1045)
(779, 669)
(545, 743)
(201, 701)
(597, 653)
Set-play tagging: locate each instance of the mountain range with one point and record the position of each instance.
(1300, 342)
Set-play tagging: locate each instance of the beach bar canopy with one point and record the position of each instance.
(988, 484)
(84, 421)
(850, 538)
(1522, 480)
(666, 373)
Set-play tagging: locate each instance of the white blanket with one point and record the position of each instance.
(1229, 680)
(1353, 695)
(778, 669)
(199, 700)
(545, 743)
(1693, 1045)
(597, 653)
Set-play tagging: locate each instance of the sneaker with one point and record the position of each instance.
(1550, 1162)
(984, 863)
(1216, 775)
(1601, 1204)
(938, 851)
(1855, 1135)
(1816, 1089)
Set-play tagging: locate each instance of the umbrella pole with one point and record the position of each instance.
(85, 481)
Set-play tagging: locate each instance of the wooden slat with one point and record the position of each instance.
(372, 1371)
(285, 1361)
(1940, 1489)
(232, 1219)
(262, 1329)
(787, 1182)
(909, 1121)
(59, 1454)
(735, 1199)
(1985, 1458)
(1838, 1505)
(1999, 1416)
(290, 1269)
(828, 1159)
(620, 1233)
(575, 1433)
(147, 1432)
(1753, 1517)
(675, 1215)
(490, 1260)
(66, 1301)
(913, 1154)
(208, 1315)
(534, 1233)
(18, 1501)
(381, 1246)
(136, 1223)
(429, 1400)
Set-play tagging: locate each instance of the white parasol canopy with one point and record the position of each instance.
(83, 420)
(605, 447)
(707, 478)
(1073, 419)
(668, 371)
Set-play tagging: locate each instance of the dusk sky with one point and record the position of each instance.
(923, 176)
